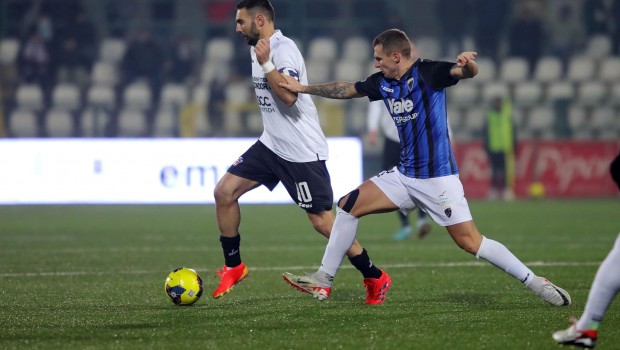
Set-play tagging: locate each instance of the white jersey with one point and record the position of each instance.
(293, 133)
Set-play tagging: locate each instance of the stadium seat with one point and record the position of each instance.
(9, 48)
(23, 123)
(514, 70)
(132, 123)
(562, 90)
(548, 70)
(609, 70)
(238, 98)
(614, 94)
(30, 97)
(474, 120)
(220, 50)
(527, 94)
(173, 98)
(100, 104)
(323, 49)
(603, 118)
(349, 71)
(486, 70)
(491, 90)
(581, 68)
(104, 73)
(356, 49)
(112, 50)
(540, 122)
(428, 47)
(59, 123)
(577, 118)
(591, 93)
(318, 71)
(66, 97)
(212, 70)
(464, 94)
(598, 46)
(137, 97)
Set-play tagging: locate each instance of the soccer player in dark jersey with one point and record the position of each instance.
(606, 285)
(413, 90)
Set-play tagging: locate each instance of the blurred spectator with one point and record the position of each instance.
(34, 60)
(491, 20)
(216, 105)
(72, 65)
(603, 17)
(85, 36)
(565, 33)
(143, 59)
(182, 60)
(500, 145)
(526, 36)
(453, 18)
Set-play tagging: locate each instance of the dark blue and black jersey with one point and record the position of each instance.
(417, 103)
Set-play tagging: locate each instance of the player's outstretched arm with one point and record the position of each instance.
(335, 90)
(466, 66)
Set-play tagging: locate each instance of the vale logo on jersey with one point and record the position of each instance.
(400, 106)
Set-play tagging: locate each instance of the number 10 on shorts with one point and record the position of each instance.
(303, 192)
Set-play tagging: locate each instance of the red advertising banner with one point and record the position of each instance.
(563, 168)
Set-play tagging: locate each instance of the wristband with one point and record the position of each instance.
(268, 67)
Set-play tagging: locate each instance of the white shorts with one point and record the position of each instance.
(443, 198)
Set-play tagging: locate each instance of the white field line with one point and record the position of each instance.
(295, 268)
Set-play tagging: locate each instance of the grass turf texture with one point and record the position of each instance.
(92, 277)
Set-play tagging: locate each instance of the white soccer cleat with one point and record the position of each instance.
(571, 336)
(307, 284)
(551, 293)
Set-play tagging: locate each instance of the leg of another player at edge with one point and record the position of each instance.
(369, 200)
(358, 256)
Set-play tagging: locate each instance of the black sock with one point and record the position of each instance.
(365, 266)
(230, 246)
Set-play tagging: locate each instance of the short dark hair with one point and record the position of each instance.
(394, 40)
(264, 6)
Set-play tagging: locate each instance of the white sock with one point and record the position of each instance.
(342, 237)
(604, 288)
(498, 255)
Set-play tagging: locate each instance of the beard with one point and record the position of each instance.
(252, 37)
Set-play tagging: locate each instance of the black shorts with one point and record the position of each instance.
(308, 184)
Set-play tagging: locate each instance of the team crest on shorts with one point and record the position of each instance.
(236, 162)
(448, 211)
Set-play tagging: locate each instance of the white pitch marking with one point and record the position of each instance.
(289, 268)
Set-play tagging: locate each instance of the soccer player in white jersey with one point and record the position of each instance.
(291, 150)
(413, 90)
(605, 287)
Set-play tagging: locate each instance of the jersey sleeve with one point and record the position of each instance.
(437, 74)
(287, 59)
(370, 87)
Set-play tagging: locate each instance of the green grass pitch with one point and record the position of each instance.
(91, 277)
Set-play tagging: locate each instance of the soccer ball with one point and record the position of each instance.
(183, 286)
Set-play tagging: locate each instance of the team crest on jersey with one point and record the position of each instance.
(448, 211)
(410, 84)
(236, 162)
